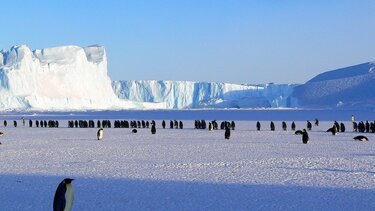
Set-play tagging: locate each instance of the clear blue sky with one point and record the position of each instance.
(201, 40)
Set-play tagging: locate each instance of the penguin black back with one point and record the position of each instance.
(305, 136)
(153, 129)
(308, 125)
(59, 201)
(293, 126)
(258, 125)
(227, 133)
(298, 132)
(283, 125)
(361, 138)
(332, 130)
(272, 126)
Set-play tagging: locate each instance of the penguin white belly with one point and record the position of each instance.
(100, 135)
(69, 197)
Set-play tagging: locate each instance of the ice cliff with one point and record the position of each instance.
(189, 94)
(58, 78)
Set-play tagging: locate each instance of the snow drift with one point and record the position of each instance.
(189, 94)
(59, 78)
(346, 88)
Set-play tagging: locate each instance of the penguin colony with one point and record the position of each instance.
(227, 126)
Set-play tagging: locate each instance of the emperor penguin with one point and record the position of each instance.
(64, 196)
(153, 129)
(305, 136)
(100, 134)
(227, 132)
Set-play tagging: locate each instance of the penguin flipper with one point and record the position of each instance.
(59, 199)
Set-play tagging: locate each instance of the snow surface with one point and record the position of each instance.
(58, 78)
(187, 169)
(190, 94)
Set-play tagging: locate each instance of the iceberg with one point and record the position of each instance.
(190, 94)
(59, 78)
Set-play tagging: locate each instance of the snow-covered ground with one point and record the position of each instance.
(187, 169)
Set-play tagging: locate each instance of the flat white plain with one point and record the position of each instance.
(188, 169)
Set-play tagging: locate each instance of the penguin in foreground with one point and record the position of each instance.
(64, 196)
(134, 131)
(361, 138)
(305, 136)
(99, 134)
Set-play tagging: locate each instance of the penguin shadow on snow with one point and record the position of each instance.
(25, 192)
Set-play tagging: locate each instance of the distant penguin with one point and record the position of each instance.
(337, 125)
(361, 138)
(15, 123)
(5, 123)
(1, 133)
(283, 125)
(333, 130)
(232, 125)
(99, 134)
(258, 125)
(163, 124)
(342, 127)
(171, 124)
(298, 132)
(134, 131)
(308, 125)
(64, 196)
(209, 126)
(227, 133)
(316, 122)
(293, 126)
(153, 129)
(272, 126)
(305, 136)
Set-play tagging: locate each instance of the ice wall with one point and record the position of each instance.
(189, 94)
(59, 78)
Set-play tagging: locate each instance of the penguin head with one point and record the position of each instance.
(304, 130)
(68, 180)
